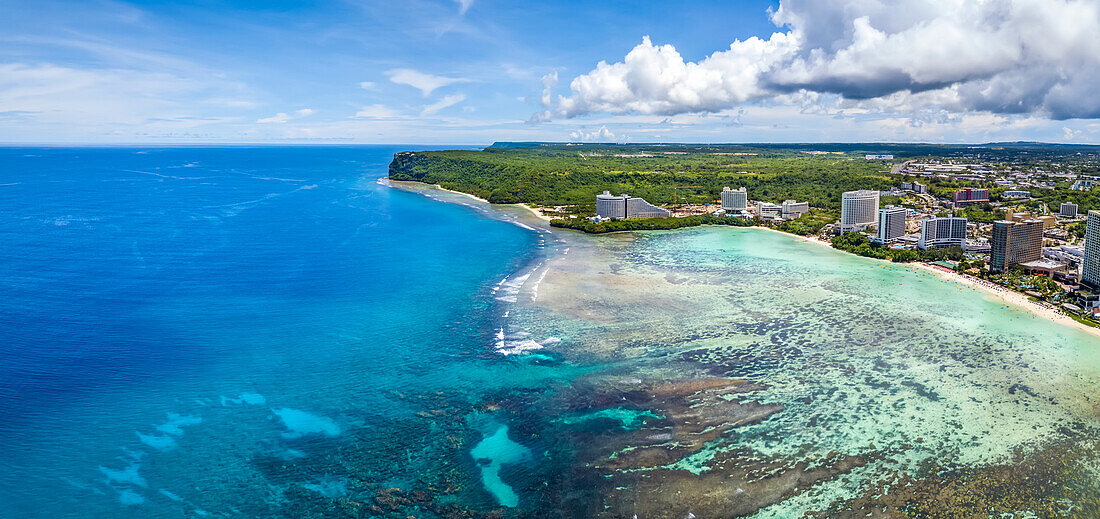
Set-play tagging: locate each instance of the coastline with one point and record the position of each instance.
(1009, 296)
(809, 239)
(441, 188)
(410, 183)
(534, 212)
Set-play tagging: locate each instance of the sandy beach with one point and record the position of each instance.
(1009, 296)
(810, 239)
(534, 212)
(479, 199)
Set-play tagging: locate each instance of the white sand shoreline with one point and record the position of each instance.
(1009, 296)
(533, 211)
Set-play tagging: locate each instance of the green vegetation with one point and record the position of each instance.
(859, 244)
(1017, 279)
(1087, 321)
(982, 213)
(810, 223)
(549, 175)
(649, 224)
(571, 175)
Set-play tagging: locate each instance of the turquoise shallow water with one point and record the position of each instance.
(271, 332)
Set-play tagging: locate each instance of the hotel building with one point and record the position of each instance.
(792, 209)
(625, 206)
(1090, 268)
(971, 196)
(942, 231)
(1067, 210)
(891, 224)
(1014, 243)
(858, 209)
(734, 200)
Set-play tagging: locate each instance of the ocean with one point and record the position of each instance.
(174, 321)
(277, 332)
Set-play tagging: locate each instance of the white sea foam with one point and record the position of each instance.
(300, 423)
(510, 287)
(535, 287)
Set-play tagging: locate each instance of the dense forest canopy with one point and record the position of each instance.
(549, 174)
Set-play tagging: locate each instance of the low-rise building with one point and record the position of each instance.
(792, 209)
(1049, 221)
(1016, 194)
(915, 187)
(769, 210)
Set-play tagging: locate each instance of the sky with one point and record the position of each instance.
(472, 72)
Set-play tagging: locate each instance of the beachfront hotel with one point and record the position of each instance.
(942, 231)
(858, 209)
(734, 200)
(792, 209)
(1014, 243)
(625, 206)
(891, 224)
(1090, 268)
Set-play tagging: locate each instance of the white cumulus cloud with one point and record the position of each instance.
(600, 135)
(425, 83)
(994, 56)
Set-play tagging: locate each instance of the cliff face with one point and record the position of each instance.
(404, 164)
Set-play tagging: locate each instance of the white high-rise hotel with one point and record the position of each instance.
(858, 209)
(735, 199)
(1090, 268)
(891, 224)
(626, 206)
(942, 231)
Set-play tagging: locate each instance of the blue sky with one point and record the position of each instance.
(478, 71)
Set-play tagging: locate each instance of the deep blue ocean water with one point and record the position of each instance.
(172, 318)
